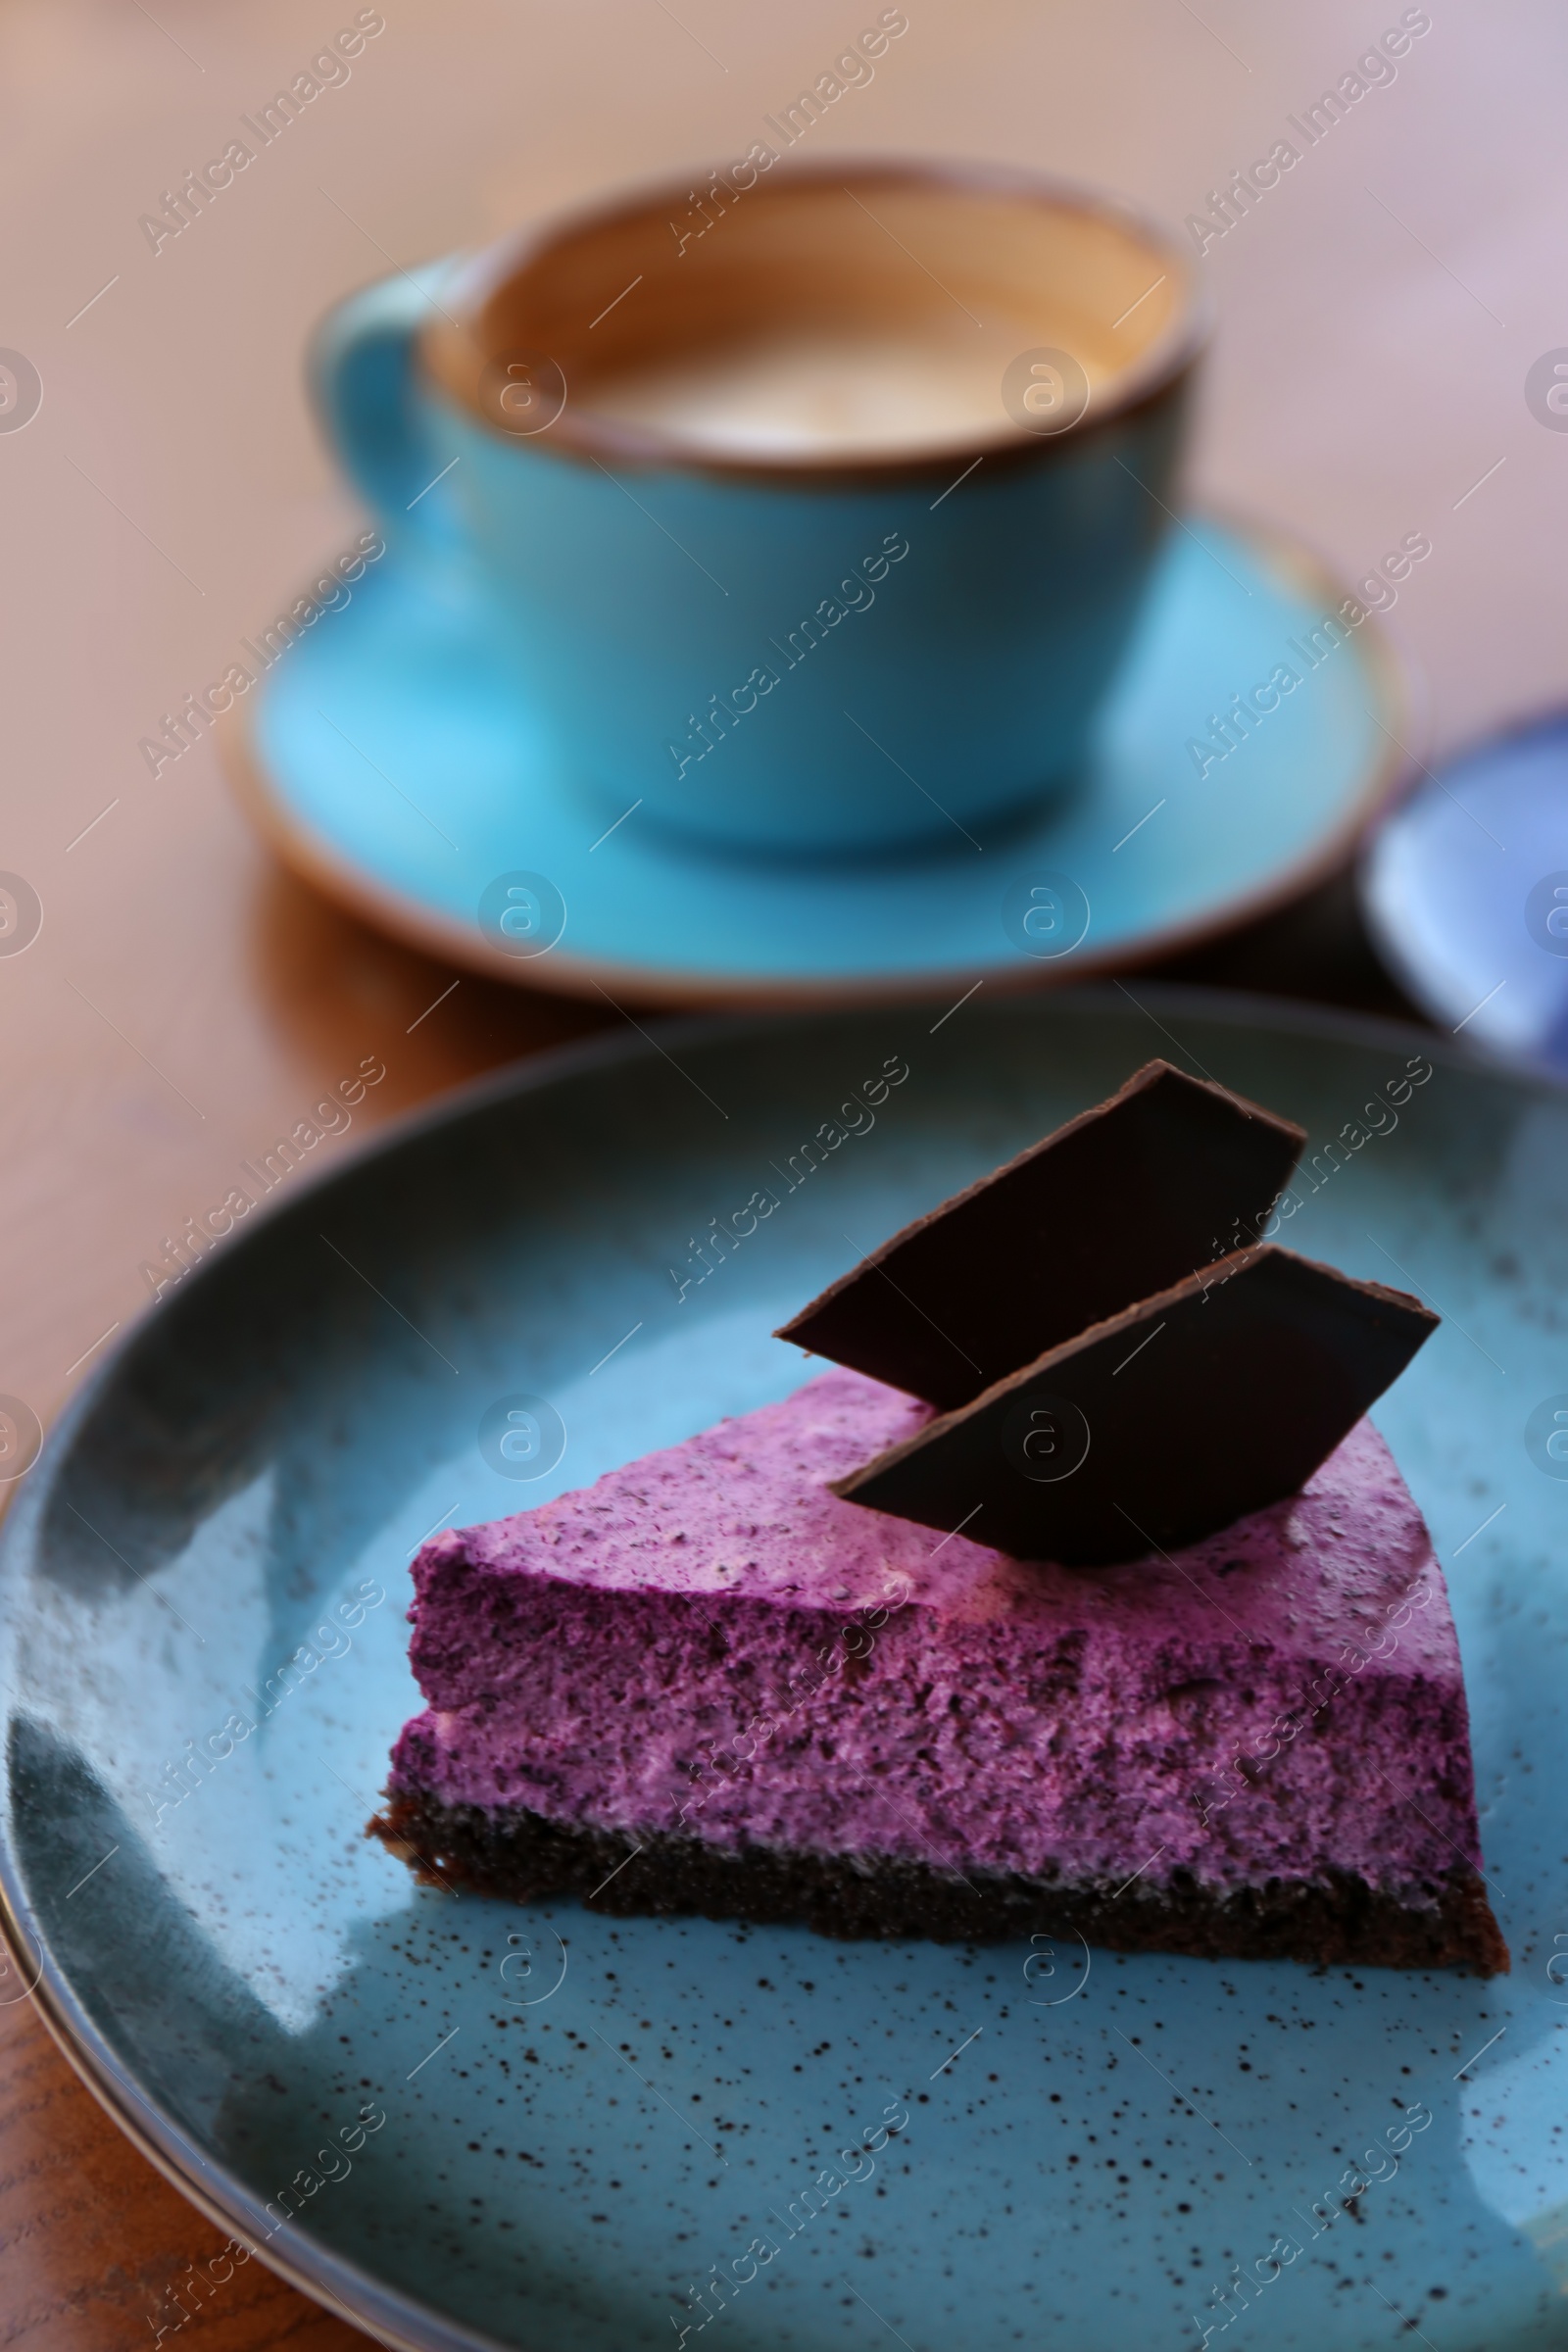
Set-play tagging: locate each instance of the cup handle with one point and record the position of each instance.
(365, 386)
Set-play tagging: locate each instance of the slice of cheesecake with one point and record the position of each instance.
(710, 1684)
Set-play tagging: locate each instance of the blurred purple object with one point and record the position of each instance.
(1466, 893)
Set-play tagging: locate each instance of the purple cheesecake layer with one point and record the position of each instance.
(673, 1650)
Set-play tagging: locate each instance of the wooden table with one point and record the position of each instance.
(1379, 310)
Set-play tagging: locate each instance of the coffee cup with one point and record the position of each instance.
(812, 515)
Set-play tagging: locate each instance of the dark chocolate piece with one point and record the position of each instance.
(1333, 1918)
(1124, 1200)
(1212, 1399)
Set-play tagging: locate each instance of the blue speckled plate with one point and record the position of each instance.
(388, 756)
(470, 2123)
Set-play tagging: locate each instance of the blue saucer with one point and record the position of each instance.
(389, 759)
(1466, 889)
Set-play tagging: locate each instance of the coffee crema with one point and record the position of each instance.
(823, 394)
(868, 314)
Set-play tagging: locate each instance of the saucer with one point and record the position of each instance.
(388, 756)
(1467, 891)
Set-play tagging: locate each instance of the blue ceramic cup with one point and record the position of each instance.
(811, 510)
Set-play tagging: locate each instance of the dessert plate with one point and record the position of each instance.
(1466, 889)
(473, 2123)
(389, 759)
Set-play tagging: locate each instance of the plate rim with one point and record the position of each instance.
(1393, 684)
(397, 2316)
